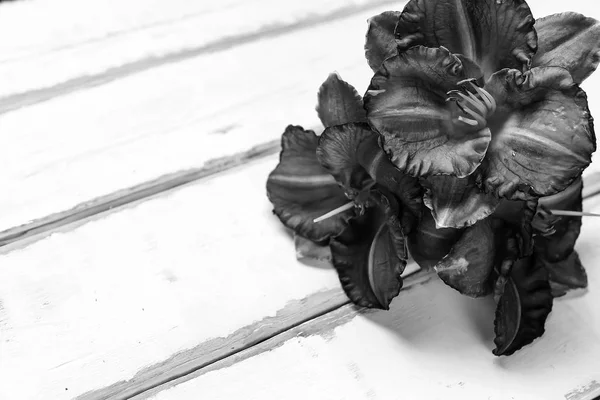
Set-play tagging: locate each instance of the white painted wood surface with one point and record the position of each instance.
(56, 41)
(85, 308)
(71, 149)
(89, 307)
(86, 144)
(433, 344)
(93, 305)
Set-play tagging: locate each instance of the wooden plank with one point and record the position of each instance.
(110, 39)
(143, 131)
(44, 226)
(169, 119)
(433, 344)
(140, 294)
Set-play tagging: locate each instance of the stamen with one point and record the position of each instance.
(337, 211)
(473, 101)
(468, 121)
(489, 100)
(566, 213)
(478, 117)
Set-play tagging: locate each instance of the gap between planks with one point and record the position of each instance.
(331, 306)
(42, 227)
(15, 101)
(245, 342)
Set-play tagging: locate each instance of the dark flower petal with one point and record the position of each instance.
(428, 244)
(371, 255)
(339, 102)
(351, 153)
(457, 202)
(406, 104)
(566, 275)
(494, 33)
(380, 43)
(302, 190)
(523, 307)
(471, 69)
(468, 266)
(569, 40)
(541, 148)
(513, 89)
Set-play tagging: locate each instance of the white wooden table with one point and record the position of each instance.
(139, 257)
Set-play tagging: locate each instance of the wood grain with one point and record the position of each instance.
(73, 149)
(117, 298)
(113, 39)
(45, 226)
(250, 337)
(433, 343)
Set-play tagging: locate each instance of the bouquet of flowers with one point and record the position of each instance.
(472, 130)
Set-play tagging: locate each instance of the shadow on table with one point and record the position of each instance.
(434, 318)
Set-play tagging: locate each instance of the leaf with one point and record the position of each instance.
(301, 190)
(468, 266)
(569, 40)
(339, 102)
(523, 307)
(556, 252)
(406, 104)
(560, 244)
(371, 255)
(428, 244)
(380, 42)
(495, 34)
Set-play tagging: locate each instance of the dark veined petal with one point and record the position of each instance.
(428, 244)
(457, 202)
(406, 104)
(468, 266)
(380, 43)
(495, 34)
(302, 190)
(351, 153)
(339, 102)
(569, 40)
(471, 69)
(371, 255)
(523, 307)
(541, 148)
(513, 89)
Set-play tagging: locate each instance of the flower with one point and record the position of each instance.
(318, 174)
(462, 90)
(473, 127)
(483, 105)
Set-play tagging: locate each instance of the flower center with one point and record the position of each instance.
(475, 103)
